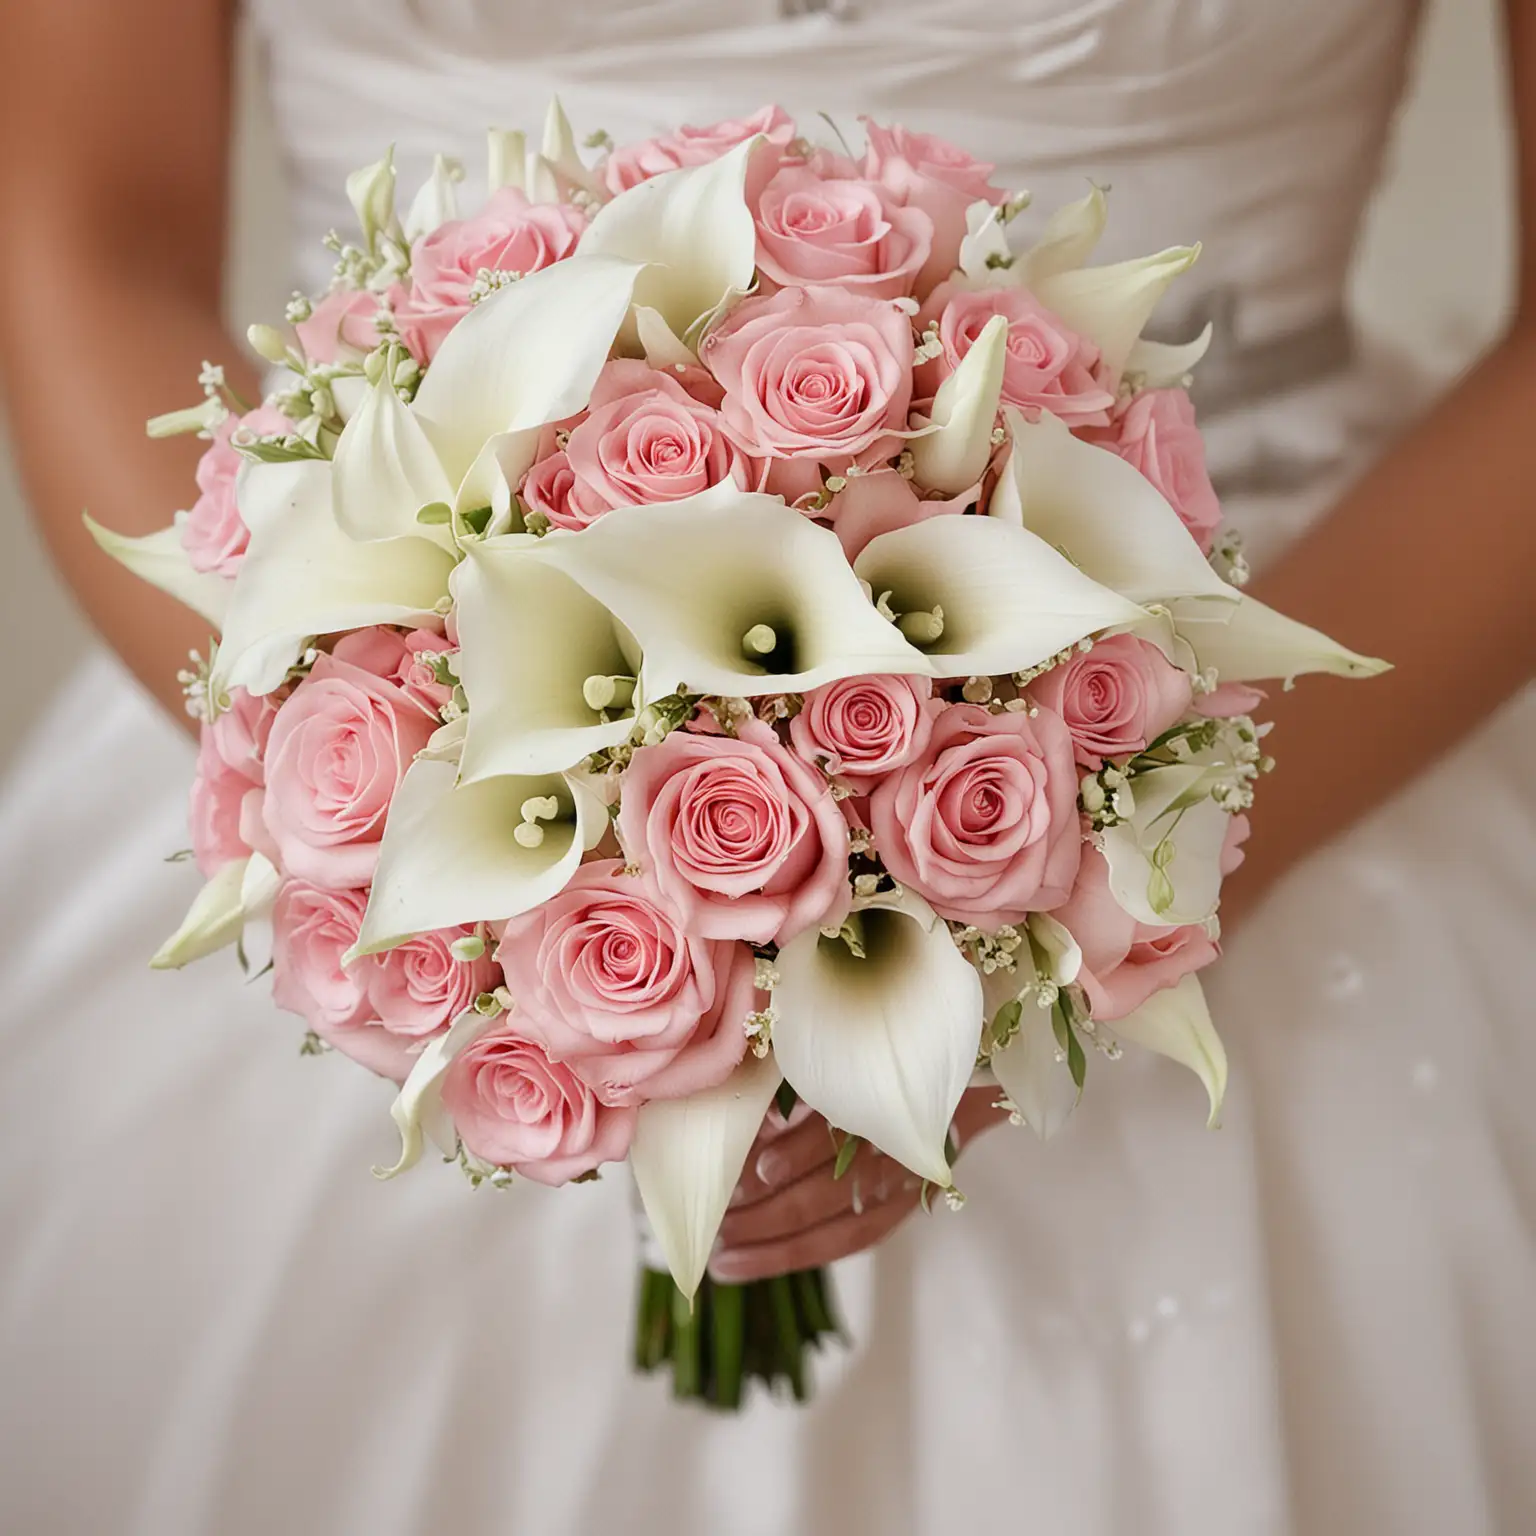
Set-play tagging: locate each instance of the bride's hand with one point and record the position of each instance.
(790, 1213)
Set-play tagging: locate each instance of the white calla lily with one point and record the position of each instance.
(986, 259)
(1063, 955)
(1067, 241)
(1002, 598)
(385, 471)
(561, 154)
(695, 232)
(734, 593)
(371, 191)
(687, 1156)
(1111, 305)
(418, 1105)
(482, 852)
(161, 559)
(1038, 1085)
(1177, 1023)
(1249, 642)
(953, 457)
(437, 201)
(1102, 513)
(882, 1045)
(1160, 364)
(528, 699)
(506, 151)
(302, 576)
(1165, 860)
(237, 892)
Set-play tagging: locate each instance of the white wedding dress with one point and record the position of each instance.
(1317, 1321)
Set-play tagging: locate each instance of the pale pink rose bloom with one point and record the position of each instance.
(1157, 433)
(1228, 699)
(510, 234)
(213, 810)
(607, 978)
(741, 836)
(406, 659)
(630, 164)
(1232, 855)
(514, 1107)
(814, 374)
(339, 747)
(213, 533)
(984, 823)
(862, 728)
(644, 440)
(547, 487)
(311, 930)
(1048, 366)
(1124, 961)
(1115, 699)
(881, 502)
(852, 233)
(930, 173)
(418, 988)
(341, 325)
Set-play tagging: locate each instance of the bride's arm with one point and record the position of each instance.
(114, 180)
(1430, 561)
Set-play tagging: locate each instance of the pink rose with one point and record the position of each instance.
(418, 988)
(814, 374)
(881, 502)
(630, 164)
(406, 659)
(942, 180)
(226, 785)
(509, 234)
(984, 822)
(864, 727)
(1048, 366)
(1125, 962)
(1158, 435)
(607, 978)
(1115, 699)
(213, 533)
(743, 838)
(644, 440)
(311, 930)
(341, 325)
(1228, 699)
(513, 1106)
(852, 233)
(339, 747)
(546, 489)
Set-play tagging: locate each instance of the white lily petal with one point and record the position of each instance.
(542, 180)
(1061, 949)
(526, 355)
(883, 1046)
(527, 710)
(676, 576)
(161, 559)
(302, 576)
(1102, 513)
(505, 151)
(954, 458)
(446, 743)
(1159, 364)
(1009, 600)
(213, 920)
(258, 891)
(385, 472)
(694, 229)
(1111, 305)
(1177, 1023)
(437, 202)
(449, 854)
(371, 191)
(985, 255)
(1068, 239)
(1249, 642)
(492, 481)
(418, 1101)
(561, 153)
(1038, 1085)
(1196, 833)
(687, 1155)
(661, 347)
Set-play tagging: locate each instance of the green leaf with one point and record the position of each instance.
(1066, 1038)
(845, 1156)
(786, 1099)
(290, 450)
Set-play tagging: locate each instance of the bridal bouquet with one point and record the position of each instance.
(710, 629)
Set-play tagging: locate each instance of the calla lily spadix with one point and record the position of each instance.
(302, 576)
(236, 893)
(734, 593)
(531, 646)
(481, 852)
(954, 457)
(883, 1045)
(1003, 599)
(1177, 1023)
(687, 1155)
(160, 559)
(695, 232)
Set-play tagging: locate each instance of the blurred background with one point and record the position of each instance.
(1435, 274)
